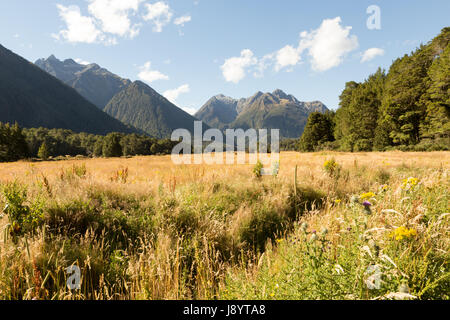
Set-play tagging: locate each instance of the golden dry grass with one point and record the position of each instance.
(218, 202)
(153, 170)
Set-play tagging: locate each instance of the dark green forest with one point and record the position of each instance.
(407, 108)
(17, 143)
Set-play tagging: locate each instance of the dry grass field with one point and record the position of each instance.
(349, 226)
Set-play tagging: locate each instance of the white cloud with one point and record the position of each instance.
(149, 75)
(81, 61)
(182, 20)
(263, 63)
(172, 95)
(159, 13)
(371, 53)
(108, 19)
(287, 56)
(234, 68)
(113, 16)
(79, 28)
(328, 44)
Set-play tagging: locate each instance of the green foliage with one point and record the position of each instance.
(22, 217)
(264, 224)
(290, 144)
(17, 143)
(332, 168)
(43, 151)
(257, 169)
(407, 107)
(356, 119)
(111, 145)
(304, 199)
(437, 98)
(12, 143)
(319, 130)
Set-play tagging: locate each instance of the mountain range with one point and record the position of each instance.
(34, 98)
(276, 110)
(66, 94)
(96, 84)
(133, 103)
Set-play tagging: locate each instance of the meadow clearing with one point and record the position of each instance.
(348, 226)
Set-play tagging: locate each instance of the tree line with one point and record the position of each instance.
(19, 143)
(407, 108)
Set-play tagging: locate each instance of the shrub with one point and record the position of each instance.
(22, 217)
(257, 169)
(332, 168)
(263, 224)
(43, 152)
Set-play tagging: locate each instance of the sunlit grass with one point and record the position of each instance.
(144, 228)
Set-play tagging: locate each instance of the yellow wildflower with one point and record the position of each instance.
(402, 232)
(410, 183)
(367, 196)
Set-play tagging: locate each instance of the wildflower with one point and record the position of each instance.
(313, 237)
(337, 201)
(331, 167)
(366, 196)
(330, 164)
(367, 204)
(279, 240)
(354, 199)
(324, 232)
(403, 232)
(410, 183)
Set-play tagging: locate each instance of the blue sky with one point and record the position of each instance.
(190, 50)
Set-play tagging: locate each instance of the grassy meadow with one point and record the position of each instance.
(328, 226)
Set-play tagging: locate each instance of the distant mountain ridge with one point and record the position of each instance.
(144, 108)
(133, 103)
(276, 110)
(93, 82)
(34, 98)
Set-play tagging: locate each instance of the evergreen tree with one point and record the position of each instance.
(43, 151)
(318, 130)
(111, 145)
(12, 143)
(437, 98)
(98, 148)
(356, 120)
(343, 118)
